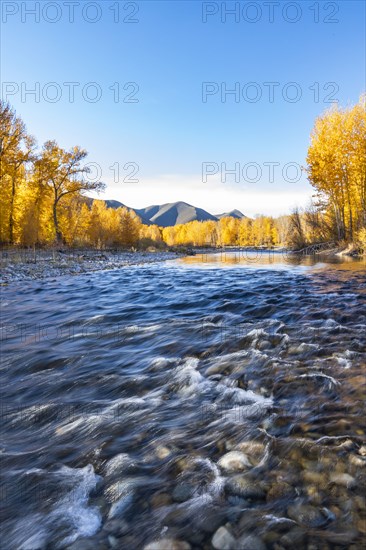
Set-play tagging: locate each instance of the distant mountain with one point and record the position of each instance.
(117, 204)
(171, 213)
(232, 214)
(174, 213)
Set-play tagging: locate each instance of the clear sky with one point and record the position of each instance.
(140, 102)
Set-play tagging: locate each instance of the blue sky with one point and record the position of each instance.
(312, 51)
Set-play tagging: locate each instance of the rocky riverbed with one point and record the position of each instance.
(200, 404)
(25, 267)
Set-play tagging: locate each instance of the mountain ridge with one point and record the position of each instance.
(173, 213)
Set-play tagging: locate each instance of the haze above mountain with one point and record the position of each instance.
(174, 213)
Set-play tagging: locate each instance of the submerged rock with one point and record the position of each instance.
(121, 495)
(234, 461)
(119, 464)
(362, 450)
(294, 537)
(183, 492)
(168, 544)
(280, 489)
(307, 515)
(223, 539)
(209, 519)
(162, 452)
(253, 449)
(241, 486)
(346, 480)
(250, 542)
(116, 527)
(160, 499)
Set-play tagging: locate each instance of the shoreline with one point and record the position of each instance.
(45, 264)
(73, 264)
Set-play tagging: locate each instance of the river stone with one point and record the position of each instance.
(317, 478)
(216, 369)
(121, 494)
(250, 542)
(168, 544)
(237, 502)
(234, 461)
(160, 499)
(294, 537)
(360, 502)
(307, 515)
(87, 544)
(359, 461)
(342, 537)
(280, 489)
(241, 486)
(209, 519)
(162, 452)
(223, 539)
(362, 450)
(183, 492)
(119, 464)
(116, 527)
(253, 449)
(345, 480)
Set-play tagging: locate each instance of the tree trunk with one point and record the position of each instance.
(55, 222)
(11, 213)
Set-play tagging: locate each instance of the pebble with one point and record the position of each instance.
(246, 488)
(117, 527)
(160, 499)
(307, 515)
(346, 480)
(168, 544)
(183, 492)
(341, 537)
(121, 494)
(223, 539)
(118, 464)
(162, 452)
(250, 542)
(314, 477)
(87, 544)
(253, 449)
(75, 265)
(208, 520)
(362, 450)
(280, 489)
(234, 461)
(294, 537)
(358, 461)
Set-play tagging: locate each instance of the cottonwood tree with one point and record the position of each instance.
(63, 173)
(337, 166)
(16, 151)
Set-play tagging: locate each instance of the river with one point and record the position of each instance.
(216, 400)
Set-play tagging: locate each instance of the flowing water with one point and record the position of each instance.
(169, 400)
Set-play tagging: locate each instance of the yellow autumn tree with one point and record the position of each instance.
(337, 167)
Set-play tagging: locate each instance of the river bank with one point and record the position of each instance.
(26, 266)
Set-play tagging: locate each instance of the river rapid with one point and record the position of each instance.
(215, 401)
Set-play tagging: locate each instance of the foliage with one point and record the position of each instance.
(337, 168)
(43, 202)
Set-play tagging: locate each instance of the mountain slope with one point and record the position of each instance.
(116, 204)
(175, 213)
(171, 213)
(232, 214)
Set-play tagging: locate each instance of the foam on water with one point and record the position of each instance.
(73, 510)
(70, 514)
